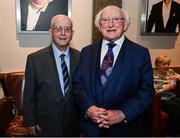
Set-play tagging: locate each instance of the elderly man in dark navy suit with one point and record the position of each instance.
(113, 84)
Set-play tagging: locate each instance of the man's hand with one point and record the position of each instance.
(110, 117)
(105, 118)
(94, 112)
(33, 130)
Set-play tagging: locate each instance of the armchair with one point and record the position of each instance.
(12, 124)
(178, 88)
(6, 115)
(159, 119)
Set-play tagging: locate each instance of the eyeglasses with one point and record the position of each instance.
(106, 20)
(59, 29)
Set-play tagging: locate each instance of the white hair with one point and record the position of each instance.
(60, 15)
(124, 13)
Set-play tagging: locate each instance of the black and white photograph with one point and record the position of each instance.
(34, 16)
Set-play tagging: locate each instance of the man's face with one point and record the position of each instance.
(61, 32)
(39, 4)
(112, 23)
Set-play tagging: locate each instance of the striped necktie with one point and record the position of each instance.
(65, 74)
(107, 63)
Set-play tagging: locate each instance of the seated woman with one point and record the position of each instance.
(165, 83)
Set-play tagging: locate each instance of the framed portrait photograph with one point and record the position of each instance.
(34, 16)
(160, 17)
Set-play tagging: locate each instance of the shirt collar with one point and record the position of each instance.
(164, 5)
(58, 53)
(39, 10)
(118, 42)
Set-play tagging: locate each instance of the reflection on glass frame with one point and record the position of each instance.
(35, 18)
(150, 16)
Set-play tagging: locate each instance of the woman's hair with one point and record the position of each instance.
(162, 59)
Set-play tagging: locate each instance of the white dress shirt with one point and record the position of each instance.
(116, 49)
(166, 13)
(33, 16)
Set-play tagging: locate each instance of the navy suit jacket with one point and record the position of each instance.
(156, 18)
(129, 86)
(43, 101)
(43, 24)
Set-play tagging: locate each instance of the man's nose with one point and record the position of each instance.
(63, 32)
(111, 23)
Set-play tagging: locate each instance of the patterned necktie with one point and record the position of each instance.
(107, 64)
(65, 73)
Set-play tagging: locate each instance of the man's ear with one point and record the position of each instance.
(72, 32)
(50, 32)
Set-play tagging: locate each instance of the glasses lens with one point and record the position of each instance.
(106, 20)
(59, 29)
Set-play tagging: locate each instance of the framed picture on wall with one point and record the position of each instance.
(34, 16)
(160, 18)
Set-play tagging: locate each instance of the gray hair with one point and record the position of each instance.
(60, 15)
(124, 13)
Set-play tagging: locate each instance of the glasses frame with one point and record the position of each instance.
(115, 20)
(18, 19)
(67, 29)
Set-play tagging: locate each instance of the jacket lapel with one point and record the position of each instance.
(160, 19)
(171, 15)
(73, 61)
(97, 88)
(118, 66)
(53, 69)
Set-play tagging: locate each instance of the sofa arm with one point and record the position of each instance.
(6, 114)
(159, 117)
(178, 88)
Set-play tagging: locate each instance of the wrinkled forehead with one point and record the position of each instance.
(111, 11)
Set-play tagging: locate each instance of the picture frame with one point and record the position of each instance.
(41, 23)
(146, 22)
